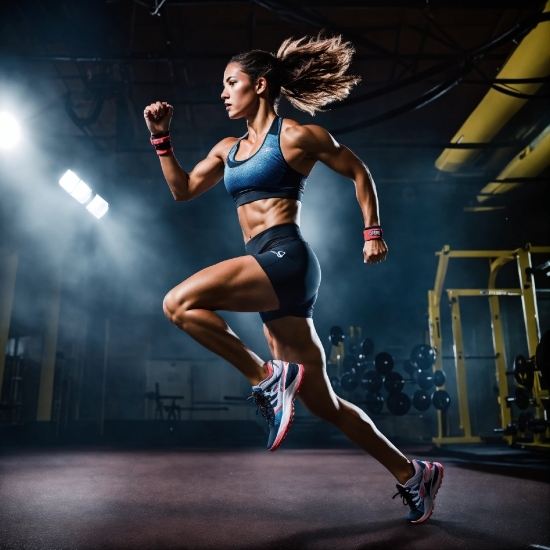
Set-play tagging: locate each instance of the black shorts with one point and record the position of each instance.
(292, 268)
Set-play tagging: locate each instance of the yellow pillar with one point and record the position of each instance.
(8, 275)
(45, 392)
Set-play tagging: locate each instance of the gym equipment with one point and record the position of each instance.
(383, 363)
(421, 400)
(423, 356)
(527, 292)
(336, 335)
(441, 400)
(428, 379)
(367, 347)
(524, 371)
(372, 381)
(521, 398)
(398, 403)
(349, 363)
(374, 402)
(542, 357)
(393, 383)
(410, 369)
(349, 380)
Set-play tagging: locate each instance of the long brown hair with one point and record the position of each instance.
(309, 72)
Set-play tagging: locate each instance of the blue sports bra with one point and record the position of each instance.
(265, 174)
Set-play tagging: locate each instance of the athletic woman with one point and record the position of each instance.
(265, 173)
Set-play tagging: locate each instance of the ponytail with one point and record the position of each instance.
(309, 72)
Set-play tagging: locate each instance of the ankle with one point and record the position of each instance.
(409, 472)
(261, 375)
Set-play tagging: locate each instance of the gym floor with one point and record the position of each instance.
(250, 498)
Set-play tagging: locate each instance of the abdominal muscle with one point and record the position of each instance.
(258, 216)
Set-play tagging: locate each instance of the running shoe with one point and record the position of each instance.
(419, 492)
(275, 396)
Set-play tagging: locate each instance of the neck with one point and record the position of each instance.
(260, 121)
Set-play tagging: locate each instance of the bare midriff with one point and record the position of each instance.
(258, 216)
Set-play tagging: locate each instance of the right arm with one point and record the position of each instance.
(207, 173)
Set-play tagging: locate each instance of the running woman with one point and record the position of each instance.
(265, 173)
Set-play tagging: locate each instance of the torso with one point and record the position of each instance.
(255, 217)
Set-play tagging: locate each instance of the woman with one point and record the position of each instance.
(265, 172)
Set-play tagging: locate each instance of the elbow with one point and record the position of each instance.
(181, 198)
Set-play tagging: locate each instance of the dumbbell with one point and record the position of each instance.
(527, 422)
(423, 356)
(521, 398)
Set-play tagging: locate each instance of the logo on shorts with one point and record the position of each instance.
(278, 253)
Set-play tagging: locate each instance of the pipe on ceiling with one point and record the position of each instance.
(527, 164)
(531, 59)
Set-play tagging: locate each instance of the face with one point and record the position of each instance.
(240, 94)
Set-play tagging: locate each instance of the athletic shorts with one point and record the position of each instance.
(292, 268)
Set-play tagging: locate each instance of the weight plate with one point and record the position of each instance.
(441, 400)
(349, 363)
(374, 402)
(423, 356)
(425, 380)
(523, 421)
(524, 372)
(421, 400)
(383, 363)
(349, 380)
(367, 346)
(398, 403)
(522, 398)
(393, 383)
(372, 381)
(439, 378)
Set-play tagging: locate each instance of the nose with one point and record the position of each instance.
(224, 94)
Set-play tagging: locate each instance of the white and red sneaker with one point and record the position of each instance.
(275, 398)
(419, 492)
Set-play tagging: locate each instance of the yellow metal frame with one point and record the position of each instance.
(527, 292)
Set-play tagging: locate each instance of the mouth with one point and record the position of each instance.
(227, 106)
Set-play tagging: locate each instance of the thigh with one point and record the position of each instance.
(295, 339)
(239, 284)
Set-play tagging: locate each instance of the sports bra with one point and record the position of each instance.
(265, 174)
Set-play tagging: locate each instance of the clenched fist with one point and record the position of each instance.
(158, 116)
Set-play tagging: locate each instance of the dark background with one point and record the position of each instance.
(78, 74)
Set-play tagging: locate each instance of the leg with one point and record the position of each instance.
(239, 284)
(295, 340)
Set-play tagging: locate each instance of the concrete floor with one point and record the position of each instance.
(252, 499)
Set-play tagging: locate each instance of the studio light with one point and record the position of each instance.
(9, 131)
(97, 206)
(69, 181)
(82, 193)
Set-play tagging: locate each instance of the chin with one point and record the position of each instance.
(235, 116)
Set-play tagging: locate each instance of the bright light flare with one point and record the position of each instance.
(81, 192)
(69, 181)
(9, 131)
(98, 206)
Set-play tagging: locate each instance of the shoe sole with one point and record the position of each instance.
(290, 416)
(440, 481)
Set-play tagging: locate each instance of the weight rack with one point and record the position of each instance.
(527, 292)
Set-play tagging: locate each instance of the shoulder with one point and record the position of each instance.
(306, 136)
(222, 148)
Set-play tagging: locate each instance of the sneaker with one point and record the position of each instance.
(419, 492)
(275, 398)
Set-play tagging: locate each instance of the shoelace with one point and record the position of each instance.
(410, 496)
(263, 403)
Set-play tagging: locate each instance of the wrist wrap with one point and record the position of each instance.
(161, 143)
(372, 233)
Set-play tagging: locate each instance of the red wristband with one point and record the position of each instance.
(372, 233)
(164, 151)
(159, 140)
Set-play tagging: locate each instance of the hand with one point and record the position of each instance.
(158, 116)
(375, 251)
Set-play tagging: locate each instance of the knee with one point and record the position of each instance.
(176, 307)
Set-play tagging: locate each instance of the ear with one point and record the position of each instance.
(261, 85)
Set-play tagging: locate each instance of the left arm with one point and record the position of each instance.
(318, 144)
